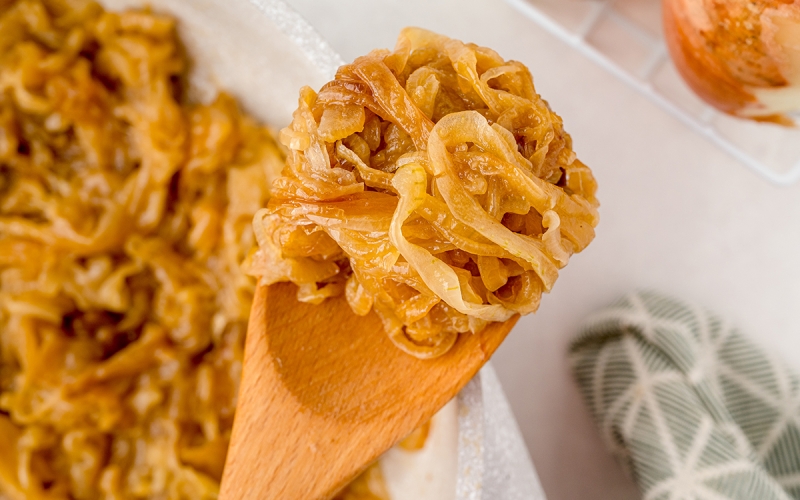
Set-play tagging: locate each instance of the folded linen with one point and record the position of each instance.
(690, 406)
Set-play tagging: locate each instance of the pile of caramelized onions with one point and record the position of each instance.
(430, 184)
(125, 214)
(740, 56)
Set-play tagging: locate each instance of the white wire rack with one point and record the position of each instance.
(625, 38)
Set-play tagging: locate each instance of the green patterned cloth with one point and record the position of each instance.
(689, 405)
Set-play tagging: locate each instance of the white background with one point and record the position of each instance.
(676, 215)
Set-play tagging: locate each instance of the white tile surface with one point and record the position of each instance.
(676, 215)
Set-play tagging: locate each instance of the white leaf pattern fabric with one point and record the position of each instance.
(692, 408)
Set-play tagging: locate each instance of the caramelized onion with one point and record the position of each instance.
(125, 214)
(447, 186)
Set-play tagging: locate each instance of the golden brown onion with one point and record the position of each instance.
(430, 184)
(125, 214)
(740, 56)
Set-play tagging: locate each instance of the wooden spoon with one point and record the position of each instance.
(324, 392)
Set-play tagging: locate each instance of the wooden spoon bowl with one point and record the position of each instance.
(325, 392)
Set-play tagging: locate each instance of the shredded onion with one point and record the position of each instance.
(430, 184)
(125, 214)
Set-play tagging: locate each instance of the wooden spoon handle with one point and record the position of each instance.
(325, 392)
